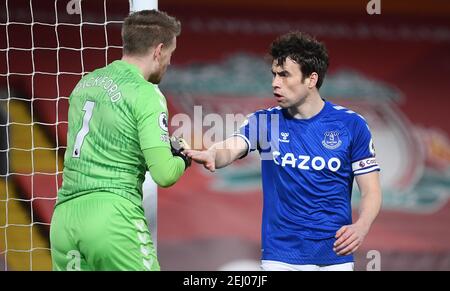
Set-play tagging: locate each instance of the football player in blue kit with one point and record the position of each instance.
(311, 151)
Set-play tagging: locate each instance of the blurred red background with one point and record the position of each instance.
(395, 67)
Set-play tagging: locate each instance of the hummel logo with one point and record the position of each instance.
(140, 225)
(162, 103)
(144, 238)
(145, 251)
(148, 263)
(285, 135)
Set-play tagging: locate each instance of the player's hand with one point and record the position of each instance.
(349, 238)
(206, 158)
(178, 147)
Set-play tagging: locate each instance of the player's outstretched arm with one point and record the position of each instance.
(206, 158)
(350, 237)
(220, 154)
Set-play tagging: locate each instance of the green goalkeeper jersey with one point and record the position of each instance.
(114, 115)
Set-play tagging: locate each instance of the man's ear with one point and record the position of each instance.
(157, 52)
(313, 78)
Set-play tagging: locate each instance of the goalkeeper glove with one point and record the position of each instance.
(177, 146)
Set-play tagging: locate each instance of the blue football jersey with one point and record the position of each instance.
(308, 167)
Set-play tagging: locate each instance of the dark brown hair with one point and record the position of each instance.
(305, 50)
(144, 29)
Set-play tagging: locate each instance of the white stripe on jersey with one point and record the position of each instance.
(246, 140)
(367, 170)
(338, 107)
(364, 164)
(272, 108)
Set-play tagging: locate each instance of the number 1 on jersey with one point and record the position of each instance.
(88, 108)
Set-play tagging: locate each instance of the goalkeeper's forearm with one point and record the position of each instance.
(164, 168)
(229, 150)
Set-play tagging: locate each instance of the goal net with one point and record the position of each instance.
(46, 46)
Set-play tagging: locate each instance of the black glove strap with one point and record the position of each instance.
(176, 146)
(187, 160)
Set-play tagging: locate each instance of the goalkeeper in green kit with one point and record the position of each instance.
(118, 128)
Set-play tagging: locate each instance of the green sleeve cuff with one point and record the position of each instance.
(164, 168)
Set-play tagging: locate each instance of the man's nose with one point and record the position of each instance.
(276, 82)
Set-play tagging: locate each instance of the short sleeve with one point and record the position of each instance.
(249, 132)
(152, 119)
(363, 150)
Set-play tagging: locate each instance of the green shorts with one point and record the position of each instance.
(101, 231)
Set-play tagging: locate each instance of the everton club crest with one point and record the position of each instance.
(331, 140)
